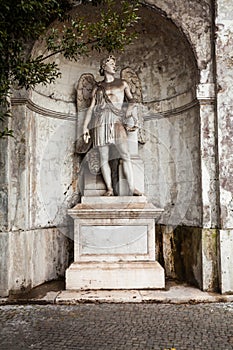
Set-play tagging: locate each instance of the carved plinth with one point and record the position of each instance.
(114, 244)
(115, 275)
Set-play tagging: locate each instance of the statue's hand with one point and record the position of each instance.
(86, 135)
(128, 114)
(131, 122)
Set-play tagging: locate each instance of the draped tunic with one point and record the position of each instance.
(107, 121)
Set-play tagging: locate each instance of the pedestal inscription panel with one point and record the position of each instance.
(113, 239)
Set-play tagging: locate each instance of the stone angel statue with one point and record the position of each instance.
(110, 108)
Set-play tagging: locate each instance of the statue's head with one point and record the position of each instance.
(110, 60)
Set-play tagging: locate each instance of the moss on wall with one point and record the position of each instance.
(189, 254)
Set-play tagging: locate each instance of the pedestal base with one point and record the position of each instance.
(117, 275)
(114, 245)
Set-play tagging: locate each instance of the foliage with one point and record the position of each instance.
(24, 21)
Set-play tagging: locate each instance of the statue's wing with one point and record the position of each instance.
(134, 83)
(84, 88)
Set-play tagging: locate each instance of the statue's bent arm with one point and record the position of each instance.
(89, 114)
(130, 100)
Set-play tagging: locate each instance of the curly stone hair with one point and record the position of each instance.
(104, 61)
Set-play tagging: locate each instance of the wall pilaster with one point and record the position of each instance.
(224, 78)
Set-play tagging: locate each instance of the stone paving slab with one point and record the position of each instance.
(175, 295)
(51, 293)
(100, 296)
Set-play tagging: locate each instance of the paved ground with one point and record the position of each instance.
(54, 293)
(117, 326)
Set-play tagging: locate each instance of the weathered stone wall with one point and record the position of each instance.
(172, 167)
(4, 263)
(224, 76)
(189, 254)
(34, 246)
(29, 258)
(3, 184)
(194, 19)
(187, 156)
(224, 22)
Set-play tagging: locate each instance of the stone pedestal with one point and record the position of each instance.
(114, 244)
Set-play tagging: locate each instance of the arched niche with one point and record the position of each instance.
(166, 65)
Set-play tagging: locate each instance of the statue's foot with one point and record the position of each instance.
(109, 193)
(137, 193)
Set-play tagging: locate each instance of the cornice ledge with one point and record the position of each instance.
(172, 112)
(16, 101)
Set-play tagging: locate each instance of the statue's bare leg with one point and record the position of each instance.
(105, 169)
(127, 166)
